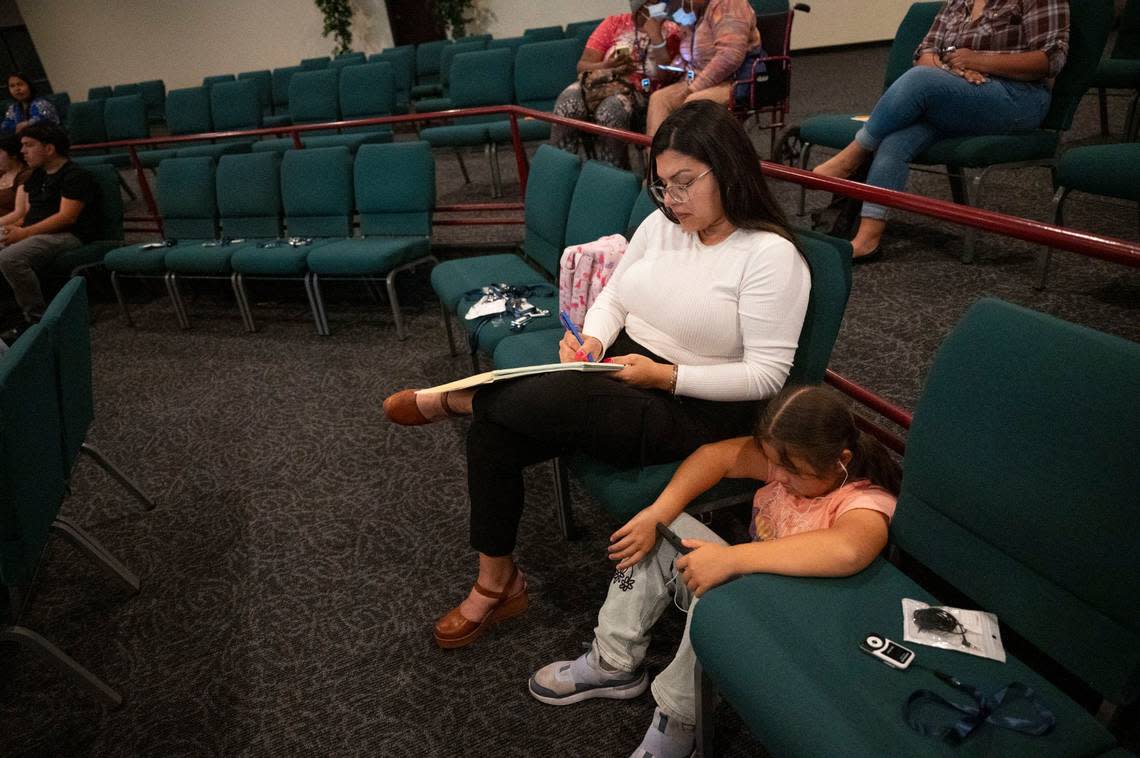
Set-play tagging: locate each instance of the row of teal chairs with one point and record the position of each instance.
(361, 91)
(152, 91)
(231, 222)
(46, 409)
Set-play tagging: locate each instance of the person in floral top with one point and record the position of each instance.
(27, 108)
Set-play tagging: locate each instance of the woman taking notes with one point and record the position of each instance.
(704, 313)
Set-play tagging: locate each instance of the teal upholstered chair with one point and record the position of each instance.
(583, 29)
(99, 93)
(316, 191)
(436, 97)
(542, 71)
(506, 43)
(403, 62)
(549, 190)
(281, 80)
(153, 93)
(1121, 70)
(623, 492)
(315, 64)
(642, 208)
(188, 205)
(62, 103)
(542, 34)
(249, 209)
(85, 123)
(122, 90)
(110, 234)
(188, 112)
(980, 155)
(312, 99)
(124, 118)
(234, 105)
(479, 78)
(428, 55)
(210, 81)
(600, 205)
(395, 223)
(348, 59)
(67, 320)
(1105, 170)
(1016, 407)
(33, 481)
(264, 80)
(368, 91)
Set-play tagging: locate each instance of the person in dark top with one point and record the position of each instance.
(13, 171)
(55, 211)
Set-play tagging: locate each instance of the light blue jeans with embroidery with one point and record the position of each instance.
(636, 599)
(927, 104)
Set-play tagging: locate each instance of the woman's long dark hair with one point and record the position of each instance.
(813, 424)
(707, 132)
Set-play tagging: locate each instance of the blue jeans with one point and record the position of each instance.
(927, 104)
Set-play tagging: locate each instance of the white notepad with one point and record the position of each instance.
(503, 374)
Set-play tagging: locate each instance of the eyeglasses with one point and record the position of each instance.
(678, 192)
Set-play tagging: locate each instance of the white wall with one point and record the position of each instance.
(831, 22)
(84, 43)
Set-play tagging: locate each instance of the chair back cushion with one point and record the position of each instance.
(830, 261)
(281, 79)
(249, 194)
(99, 93)
(481, 78)
(124, 117)
(447, 58)
(367, 90)
(316, 187)
(543, 70)
(85, 122)
(603, 199)
(348, 59)
(549, 190)
(313, 97)
(264, 81)
(188, 110)
(32, 476)
(643, 206)
(67, 321)
(314, 64)
(234, 105)
(1020, 485)
(122, 90)
(396, 208)
(110, 201)
(1090, 22)
(429, 56)
(186, 198)
(210, 81)
(915, 24)
(403, 62)
(543, 34)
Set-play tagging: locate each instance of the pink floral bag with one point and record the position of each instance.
(585, 269)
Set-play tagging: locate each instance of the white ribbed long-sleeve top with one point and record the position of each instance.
(728, 315)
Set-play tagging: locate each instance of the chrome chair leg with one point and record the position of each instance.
(243, 302)
(562, 500)
(462, 165)
(108, 563)
(322, 316)
(124, 480)
(706, 712)
(176, 300)
(447, 327)
(117, 287)
(314, 306)
(63, 662)
(1045, 255)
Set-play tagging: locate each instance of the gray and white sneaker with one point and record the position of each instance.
(666, 738)
(587, 676)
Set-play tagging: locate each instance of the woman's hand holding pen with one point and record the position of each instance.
(572, 351)
(642, 372)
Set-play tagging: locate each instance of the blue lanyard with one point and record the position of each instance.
(985, 708)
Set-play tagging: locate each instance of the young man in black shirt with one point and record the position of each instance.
(55, 211)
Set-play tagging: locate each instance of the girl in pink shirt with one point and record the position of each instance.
(828, 497)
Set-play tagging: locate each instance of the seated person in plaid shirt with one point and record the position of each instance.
(985, 67)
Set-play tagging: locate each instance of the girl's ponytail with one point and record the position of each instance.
(871, 460)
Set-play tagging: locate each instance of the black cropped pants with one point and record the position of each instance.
(524, 421)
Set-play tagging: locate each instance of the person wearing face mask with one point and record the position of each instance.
(704, 314)
(721, 34)
(829, 494)
(617, 45)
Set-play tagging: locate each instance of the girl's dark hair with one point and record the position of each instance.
(11, 145)
(26, 80)
(814, 424)
(707, 132)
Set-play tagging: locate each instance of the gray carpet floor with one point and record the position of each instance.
(302, 547)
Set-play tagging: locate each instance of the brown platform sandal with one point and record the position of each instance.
(455, 630)
(401, 409)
